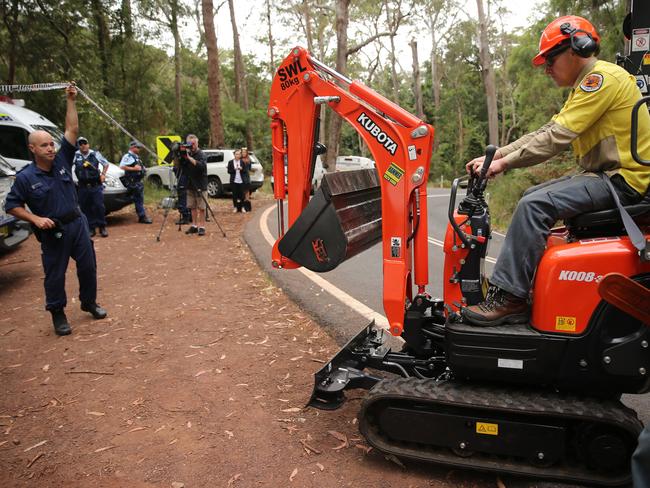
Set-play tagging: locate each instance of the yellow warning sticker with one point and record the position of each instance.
(488, 429)
(565, 323)
(393, 174)
(646, 59)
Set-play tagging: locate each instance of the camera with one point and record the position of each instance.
(179, 150)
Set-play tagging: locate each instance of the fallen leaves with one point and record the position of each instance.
(96, 414)
(341, 437)
(35, 446)
(293, 474)
(102, 449)
(233, 479)
(292, 410)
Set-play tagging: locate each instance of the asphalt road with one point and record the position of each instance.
(347, 298)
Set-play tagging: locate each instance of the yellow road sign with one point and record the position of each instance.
(164, 148)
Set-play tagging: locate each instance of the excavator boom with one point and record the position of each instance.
(393, 198)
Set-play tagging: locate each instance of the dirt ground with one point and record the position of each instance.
(198, 377)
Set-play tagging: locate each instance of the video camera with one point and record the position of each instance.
(179, 150)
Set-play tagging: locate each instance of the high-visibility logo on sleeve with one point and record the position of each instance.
(592, 82)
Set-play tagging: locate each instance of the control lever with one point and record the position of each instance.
(490, 151)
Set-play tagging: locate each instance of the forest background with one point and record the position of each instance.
(476, 85)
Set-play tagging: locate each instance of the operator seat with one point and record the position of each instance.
(607, 223)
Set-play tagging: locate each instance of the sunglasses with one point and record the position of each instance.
(552, 56)
(81, 143)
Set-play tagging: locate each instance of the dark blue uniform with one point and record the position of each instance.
(91, 190)
(53, 195)
(133, 182)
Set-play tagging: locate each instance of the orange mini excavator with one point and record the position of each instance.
(540, 399)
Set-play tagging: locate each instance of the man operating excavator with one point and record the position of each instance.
(595, 121)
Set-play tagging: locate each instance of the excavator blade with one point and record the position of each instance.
(345, 369)
(341, 220)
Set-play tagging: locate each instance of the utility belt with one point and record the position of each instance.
(131, 180)
(58, 231)
(89, 183)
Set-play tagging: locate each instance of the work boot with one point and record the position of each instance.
(192, 230)
(183, 221)
(499, 307)
(144, 220)
(103, 232)
(201, 231)
(60, 321)
(93, 233)
(95, 310)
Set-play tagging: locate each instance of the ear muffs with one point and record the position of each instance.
(583, 45)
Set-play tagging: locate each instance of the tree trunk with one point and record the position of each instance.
(306, 9)
(271, 41)
(417, 87)
(241, 89)
(178, 69)
(342, 20)
(10, 19)
(487, 73)
(393, 62)
(217, 138)
(127, 19)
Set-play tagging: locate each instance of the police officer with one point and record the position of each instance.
(46, 186)
(595, 120)
(91, 167)
(134, 174)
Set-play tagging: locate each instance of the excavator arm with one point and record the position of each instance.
(401, 145)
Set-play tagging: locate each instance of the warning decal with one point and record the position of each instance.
(568, 324)
(393, 174)
(641, 39)
(487, 429)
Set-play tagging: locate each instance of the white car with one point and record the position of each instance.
(12, 230)
(218, 177)
(319, 171)
(349, 163)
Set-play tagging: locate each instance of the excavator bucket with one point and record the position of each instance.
(341, 220)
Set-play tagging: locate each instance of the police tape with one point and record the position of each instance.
(58, 86)
(32, 88)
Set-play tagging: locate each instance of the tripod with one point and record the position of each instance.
(170, 202)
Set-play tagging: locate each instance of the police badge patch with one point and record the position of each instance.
(592, 82)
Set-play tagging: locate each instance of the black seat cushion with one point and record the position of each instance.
(609, 217)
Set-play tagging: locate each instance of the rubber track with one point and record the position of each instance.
(481, 400)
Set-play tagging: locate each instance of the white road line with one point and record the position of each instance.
(342, 296)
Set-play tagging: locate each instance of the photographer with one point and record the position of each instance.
(193, 163)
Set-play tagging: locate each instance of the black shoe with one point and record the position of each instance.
(201, 231)
(183, 221)
(93, 232)
(192, 230)
(144, 220)
(60, 321)
(94, 309)
(103, 232)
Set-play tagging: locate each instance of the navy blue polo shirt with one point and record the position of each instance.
(50, 194)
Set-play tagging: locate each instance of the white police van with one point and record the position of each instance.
(17, 122)
(12, 230)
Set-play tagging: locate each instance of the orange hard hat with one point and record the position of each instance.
(553, 35)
